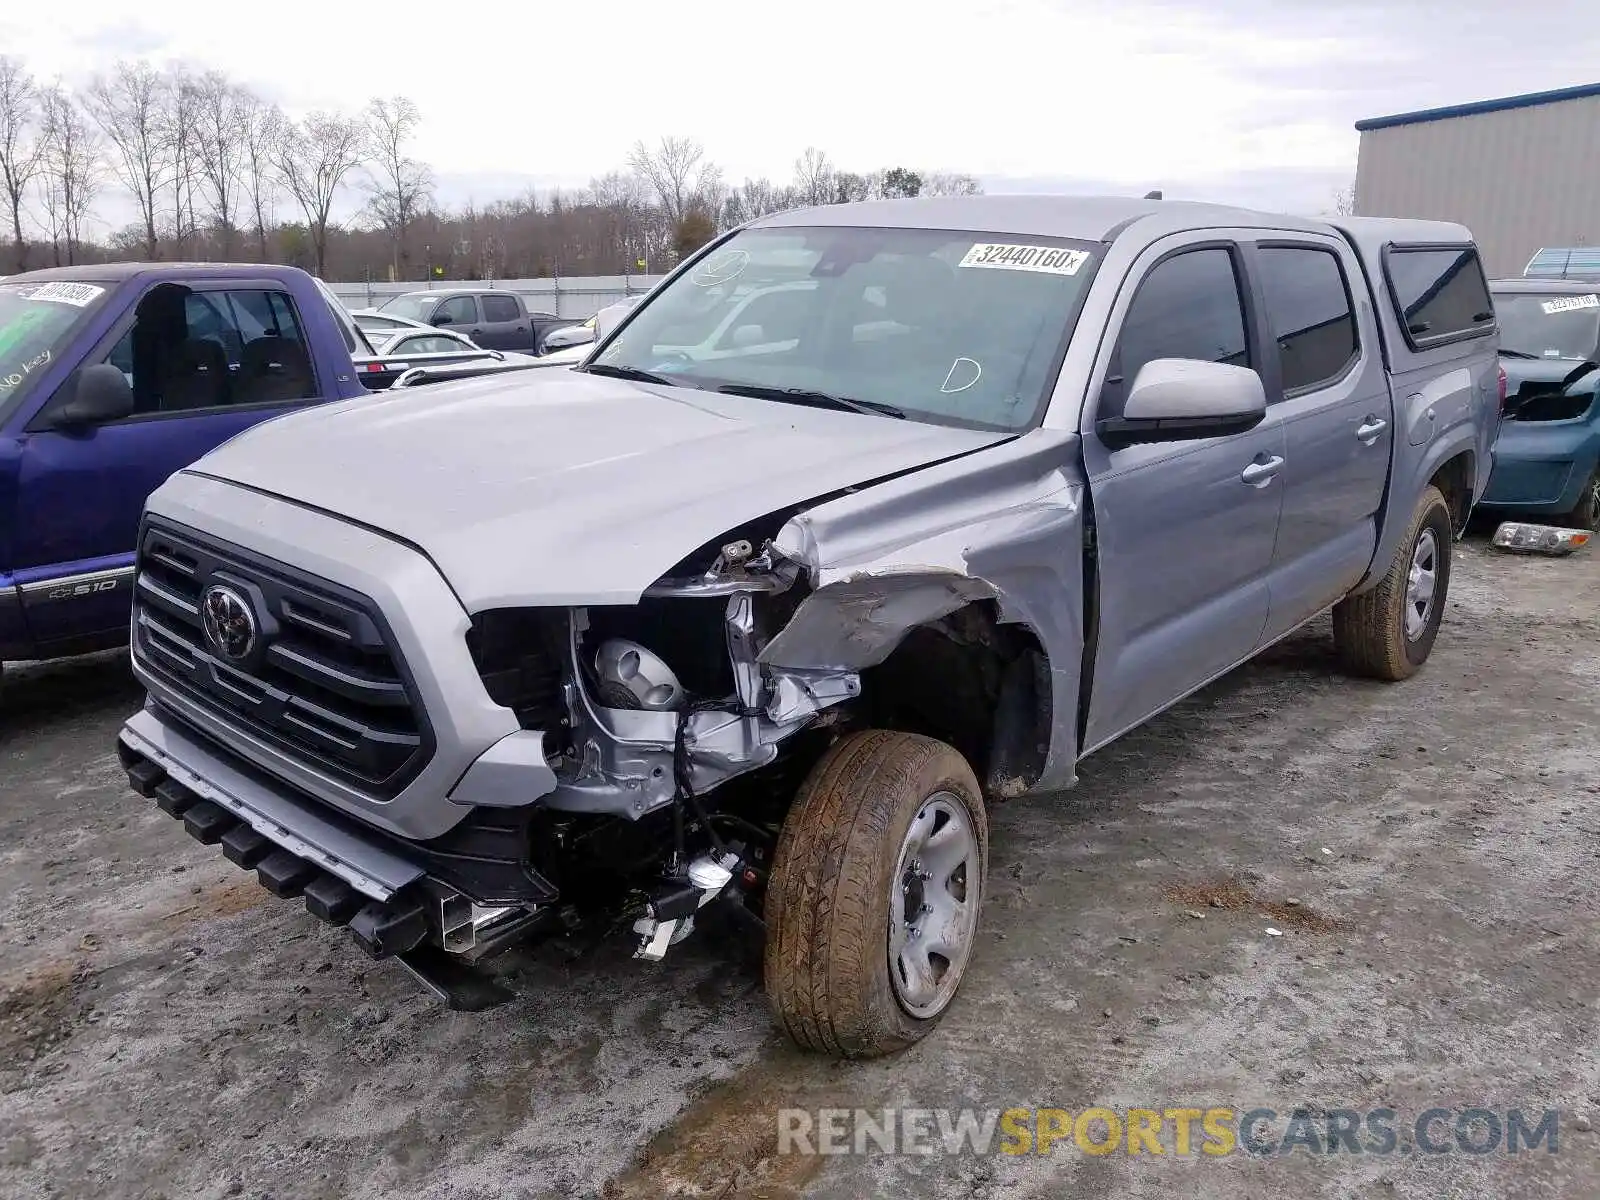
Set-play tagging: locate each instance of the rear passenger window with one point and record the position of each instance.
(500, 308)
(1188, 307)
(1308, 303)
(1439, 294)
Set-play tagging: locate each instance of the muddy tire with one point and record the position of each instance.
(1389, 631)
(872, 905)
(1587, 513)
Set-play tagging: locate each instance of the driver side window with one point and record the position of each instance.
(1188, 306)
(457, 310)
(189, 351)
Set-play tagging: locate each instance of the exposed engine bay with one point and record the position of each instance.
(645, 709)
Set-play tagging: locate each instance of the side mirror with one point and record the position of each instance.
(440, 319)
(1181, 399)
(95, 395)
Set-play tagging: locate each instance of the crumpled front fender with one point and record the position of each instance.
(1003, 524)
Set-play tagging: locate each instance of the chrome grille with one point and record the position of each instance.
(327, 686)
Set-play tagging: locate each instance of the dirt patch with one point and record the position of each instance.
(39, 1011)
(226, 900)
(1234, 895)
(724, 1146)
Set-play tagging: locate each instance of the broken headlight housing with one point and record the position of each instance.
(1539, 539)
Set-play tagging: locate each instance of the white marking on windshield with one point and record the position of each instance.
(956, 372)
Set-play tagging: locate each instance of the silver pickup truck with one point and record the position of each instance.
(868, 516)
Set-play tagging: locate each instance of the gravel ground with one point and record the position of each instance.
(168, 1029)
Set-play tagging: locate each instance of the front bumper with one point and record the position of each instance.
(391, 901)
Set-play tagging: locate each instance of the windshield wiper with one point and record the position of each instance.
(1510, 353)
(633, 373)
(815, 399)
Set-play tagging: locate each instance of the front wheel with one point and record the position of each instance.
(872, 906)
(1389, 631)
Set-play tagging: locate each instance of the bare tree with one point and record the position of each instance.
(1344, 201)
(848, 186)
(264, 127)
(756, 198)
(221, 132)
(313, 161)
(71, 173)
(129, 107)
(633, 228)
(814, 177)
(180, 114)
(679, 175)
(399, 184)
(21, 143)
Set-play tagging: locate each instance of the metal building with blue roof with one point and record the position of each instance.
(1522, 172)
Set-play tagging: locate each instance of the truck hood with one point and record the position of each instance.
(567, 488)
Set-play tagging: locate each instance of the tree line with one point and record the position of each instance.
(215, 172)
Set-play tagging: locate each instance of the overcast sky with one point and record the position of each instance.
(1249, 101)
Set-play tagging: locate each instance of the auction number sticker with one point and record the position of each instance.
(76, 294)
(1570, 304)
(1052, 260)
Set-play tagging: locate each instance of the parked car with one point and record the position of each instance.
(433, 349)
(682, 628)
(583, 335)
(378, 325)
(570, 335)
(1547, 457)
(495, 320)
(111, 378)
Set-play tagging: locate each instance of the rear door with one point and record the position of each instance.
(1184, 530)
(504, 325)
(1325, 378)
(80, 494)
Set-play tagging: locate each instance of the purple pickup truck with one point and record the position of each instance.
(112, 377)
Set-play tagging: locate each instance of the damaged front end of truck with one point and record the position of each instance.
(658, 746)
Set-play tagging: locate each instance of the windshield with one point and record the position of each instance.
(1548, 326)
(37, 320)
(953, 328)
(415, 308)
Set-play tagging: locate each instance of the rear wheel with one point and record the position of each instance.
(1389, 631)
(1587, 513)
(872, 907)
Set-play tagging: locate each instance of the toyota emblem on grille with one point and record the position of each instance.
(229, 624)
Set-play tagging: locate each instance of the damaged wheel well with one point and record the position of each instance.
(971, 681)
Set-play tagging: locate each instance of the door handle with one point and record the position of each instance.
(1368, 432)
(1259, 474)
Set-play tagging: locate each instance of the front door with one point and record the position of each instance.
(1184, 530)
(204, 364)
(460, 315)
